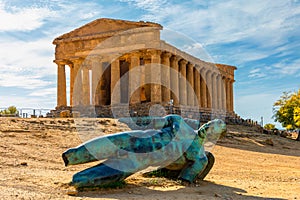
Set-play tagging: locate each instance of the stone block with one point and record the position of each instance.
(65, 114)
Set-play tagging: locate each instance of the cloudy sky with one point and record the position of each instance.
(261, 38)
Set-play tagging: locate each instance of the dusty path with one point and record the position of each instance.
(246, 167)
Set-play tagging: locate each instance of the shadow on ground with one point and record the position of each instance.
(204, 190)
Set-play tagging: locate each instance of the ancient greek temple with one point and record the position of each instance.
(117, 62)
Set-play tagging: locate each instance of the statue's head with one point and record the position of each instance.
(214, 127)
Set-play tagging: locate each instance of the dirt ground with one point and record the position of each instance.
(247, 165)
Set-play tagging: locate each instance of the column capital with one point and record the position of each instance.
(76, 60)
(166, 54)
(135, 54)
(183, 62)
(154, 52)
(202, 70)
(189, 64)
(175, 58)
(60, 62)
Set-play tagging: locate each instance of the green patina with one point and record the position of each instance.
(172, 144)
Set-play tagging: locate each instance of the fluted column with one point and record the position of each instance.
(174, 79)
(231, 95)
(182, 81)
(155, 76)
(76, 78)
(209, 90)
(61, 85)
(219, 89)
(190, 86)
(115, 77)
(203, 88)
(72, 80)
(214, 91)
(85, 86)
(146, 78)
(96, 77)
(165, 79)
(227, 95)
(223, 89)
(197, 86)
(134, 78)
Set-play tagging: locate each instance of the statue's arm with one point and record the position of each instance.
(196, 163)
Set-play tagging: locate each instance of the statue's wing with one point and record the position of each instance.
(193, 123)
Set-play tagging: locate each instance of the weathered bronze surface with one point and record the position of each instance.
(172, 144)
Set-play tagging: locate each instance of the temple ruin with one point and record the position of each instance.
(117, 64)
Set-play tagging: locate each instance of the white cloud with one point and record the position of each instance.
(225, 21)
(44, 92)
(23, 19)
(288, 68)
(256, 73)
(35, 55)
(26, 64)
(10, 79)
(149, 5)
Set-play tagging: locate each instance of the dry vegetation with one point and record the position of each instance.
(249, 165)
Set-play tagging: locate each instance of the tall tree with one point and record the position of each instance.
(287, 111)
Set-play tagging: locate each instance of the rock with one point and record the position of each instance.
(269, 141)
(72, 192)
(64, 114)
(217, 195)
(283, 134)
(75, 114)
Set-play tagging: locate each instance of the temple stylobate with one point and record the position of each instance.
(116, 62)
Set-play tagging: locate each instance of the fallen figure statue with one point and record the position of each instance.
(172, 145)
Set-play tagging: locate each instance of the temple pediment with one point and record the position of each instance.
(103, 26)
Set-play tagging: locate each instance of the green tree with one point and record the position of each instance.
(269, 126)
(287, 110)
(10, 110)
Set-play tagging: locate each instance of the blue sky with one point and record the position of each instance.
(261, 38)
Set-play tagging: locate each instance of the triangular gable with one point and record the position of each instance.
(105, 25)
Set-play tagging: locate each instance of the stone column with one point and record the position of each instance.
(219, 88)
(155, 77)
(190, 85)
(134, 78)
(223, 88)
(166, 76)
(182, 82)
(209, 91)
(203, 87)
(85, 86)
(76, 78)
(61, 85)
(197, 86)
(214, 96)
(174, 79)
(146, 77)
(72, 80)
(115, 77)
(231, 95)
(227, 95)
(96, 78)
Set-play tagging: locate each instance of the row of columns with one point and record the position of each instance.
(184, 82)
